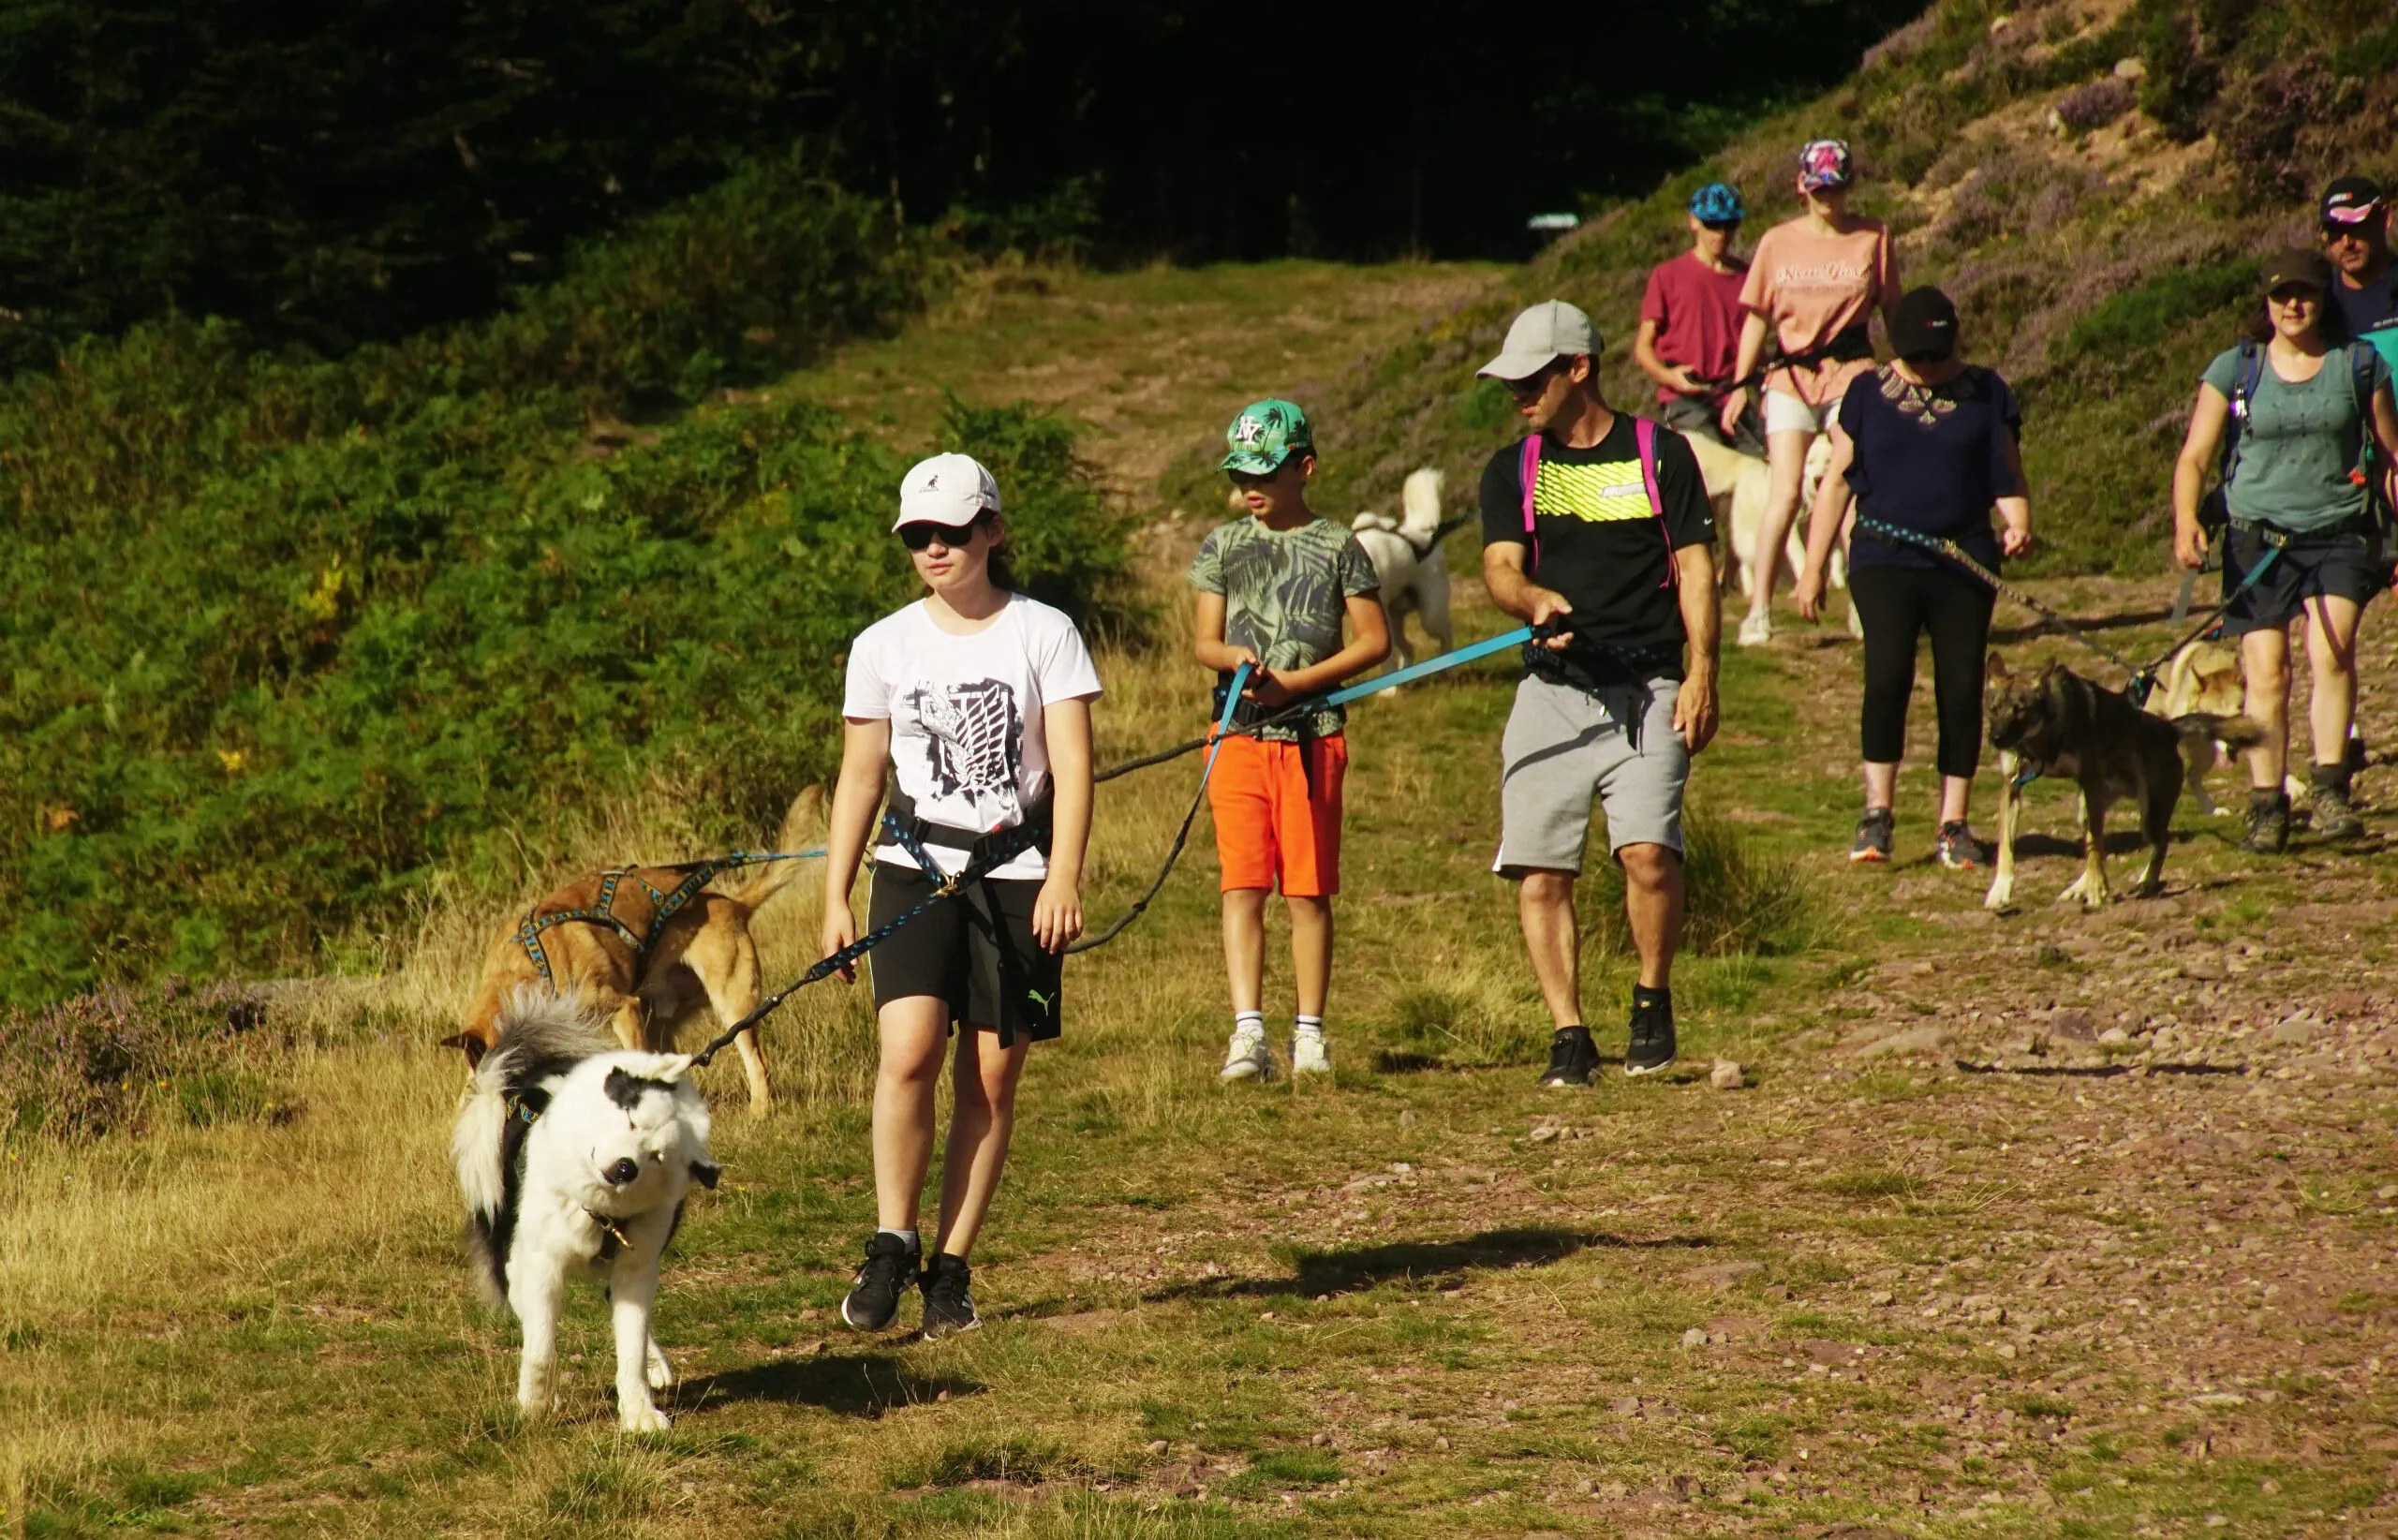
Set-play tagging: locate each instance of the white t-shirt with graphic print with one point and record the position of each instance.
(967, 741)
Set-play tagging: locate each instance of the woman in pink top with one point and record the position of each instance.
(1814, 283)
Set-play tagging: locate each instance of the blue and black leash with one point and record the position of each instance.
(2142, 677)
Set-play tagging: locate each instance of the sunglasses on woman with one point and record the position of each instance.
(921, 533)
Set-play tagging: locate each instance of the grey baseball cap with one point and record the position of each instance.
(1548, 330)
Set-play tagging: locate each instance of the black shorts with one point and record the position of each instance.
(975, 951)
(2350, 567)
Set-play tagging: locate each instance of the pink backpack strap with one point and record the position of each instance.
(1644, 433)
(1528, 472)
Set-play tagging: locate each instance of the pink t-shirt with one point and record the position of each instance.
(1812, 287)
(1697, 312)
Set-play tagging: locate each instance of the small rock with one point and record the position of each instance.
(2216, 1521)
(2132, 67)
(2114, 1034)
(1628, 1406)
(1265, 1316)
(2386, 1193)
(2071, 1027)
(819, 1345)
(2300, 1027)
(1544, 1133)
(1441, 1443)
(1914, 1040)
(943, 1395)
(1725, 1075)
(1694, 1337)
(1881, 1297)
(2006, 1350)
(1159, 1446)
(1408, 1118)
(1320, 1440)
(1401, 1168)
(2219, 1398)
(2269, 1486)
(1586, 1486)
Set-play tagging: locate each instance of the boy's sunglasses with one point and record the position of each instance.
(1722, 226)
(921, 533)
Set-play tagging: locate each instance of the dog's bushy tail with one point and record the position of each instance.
(1420, 499)
(2233, 732)
(541, 1035)
(802, 823)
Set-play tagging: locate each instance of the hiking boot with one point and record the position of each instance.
(1873, 842)
(1248, 1058)
(2329, 810)
(1307, 1054)
(1652, 1040)
(949, 1306)
(1572, 1057)
(1756, 628)
(1959, 848)
(2267, 824)
(874, 1298)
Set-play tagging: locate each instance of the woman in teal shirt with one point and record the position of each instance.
(2295, 485)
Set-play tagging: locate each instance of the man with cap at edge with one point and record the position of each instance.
(1273, 591)
(2356, 238)
(1597, 524)
(1690, 324)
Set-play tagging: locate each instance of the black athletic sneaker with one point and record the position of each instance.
(1960, 848)
(1652, 1040)
(2267, 824)
(890, 1265)
(1872, 835)
(1572, 1057)
(949, 1308)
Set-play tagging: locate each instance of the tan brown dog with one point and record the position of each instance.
(602, 937)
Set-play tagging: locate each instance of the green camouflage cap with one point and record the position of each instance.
(1265, 434)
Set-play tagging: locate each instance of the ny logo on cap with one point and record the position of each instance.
(1249, 432)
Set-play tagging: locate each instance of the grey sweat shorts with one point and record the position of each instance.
(1565, 746)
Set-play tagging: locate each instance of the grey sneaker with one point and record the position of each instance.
(1873, 842)
(1248, 1058)
(1959, 849)
(2267, 824)
(949, 1299)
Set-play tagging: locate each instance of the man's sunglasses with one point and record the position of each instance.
(2344, 232)
(1532, 384)
(923, 532)
(1722, 226)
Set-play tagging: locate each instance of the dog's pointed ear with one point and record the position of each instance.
(706, 1174)
(470, 1045)
(1996, 668)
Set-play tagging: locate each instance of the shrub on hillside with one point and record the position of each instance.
(96, 1062)
(2096, 104)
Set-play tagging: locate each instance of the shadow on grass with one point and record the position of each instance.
(2095, 1071)
(864, 1385)
(1352, 1269)
(2013, 634)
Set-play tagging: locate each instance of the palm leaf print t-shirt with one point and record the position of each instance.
(1605, 549)
(967, 740)
(1286, 592)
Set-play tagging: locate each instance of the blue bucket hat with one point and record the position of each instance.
(1717, 204)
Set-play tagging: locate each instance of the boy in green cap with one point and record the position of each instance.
(1273, 590)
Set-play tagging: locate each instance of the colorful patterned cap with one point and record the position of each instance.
(1823, 165)
(2351, 201)
(1265, 434)
(1717, 204)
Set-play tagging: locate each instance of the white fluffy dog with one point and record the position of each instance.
(1738, 485)
(575, 1158)
(1406, 554)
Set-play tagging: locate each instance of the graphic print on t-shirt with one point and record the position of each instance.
(973, 738)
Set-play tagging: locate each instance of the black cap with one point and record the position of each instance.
(2297, 265)
(2351, 201)
(1924, 325)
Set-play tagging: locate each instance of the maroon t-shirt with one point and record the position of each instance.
(1698, 316)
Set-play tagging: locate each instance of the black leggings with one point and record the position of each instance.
(1896, 605)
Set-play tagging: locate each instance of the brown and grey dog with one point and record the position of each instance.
(591, 934)
(2058, 724)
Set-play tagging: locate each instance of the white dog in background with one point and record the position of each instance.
(1406, 554)
(1738, 485)
(575, 1157)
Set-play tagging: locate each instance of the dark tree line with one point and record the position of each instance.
(344, 171)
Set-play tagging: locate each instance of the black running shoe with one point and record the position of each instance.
(1873, 842)
(1652, 1040)
(949, 1306)
(1572, 1057)
(2268, 825)
(1959, 848)
(890, 1265)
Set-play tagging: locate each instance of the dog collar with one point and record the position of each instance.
(611, 1235)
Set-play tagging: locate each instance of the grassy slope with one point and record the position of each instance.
(2099, 271)
(1486, 1326)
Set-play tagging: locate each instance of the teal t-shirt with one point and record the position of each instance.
(2300, 444)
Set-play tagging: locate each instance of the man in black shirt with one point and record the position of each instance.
(2356, 238)
(1614, 546)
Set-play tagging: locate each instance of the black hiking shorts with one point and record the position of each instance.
(976, 952)
(2348, 565)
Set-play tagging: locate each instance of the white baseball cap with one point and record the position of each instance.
(1548, 330)
(947, 489)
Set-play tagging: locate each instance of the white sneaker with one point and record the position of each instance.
(1307, 1056)
(1856, 622)
(1756, 628)
(1248, 1058)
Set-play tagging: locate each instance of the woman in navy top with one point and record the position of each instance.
(1929, 443)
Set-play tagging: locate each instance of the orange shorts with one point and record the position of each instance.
(1278, 816)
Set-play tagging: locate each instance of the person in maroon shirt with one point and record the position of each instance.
(1690, 324)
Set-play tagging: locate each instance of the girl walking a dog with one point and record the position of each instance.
(976, 703)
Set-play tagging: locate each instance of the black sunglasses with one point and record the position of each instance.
(923, 532)
(1722, 226)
